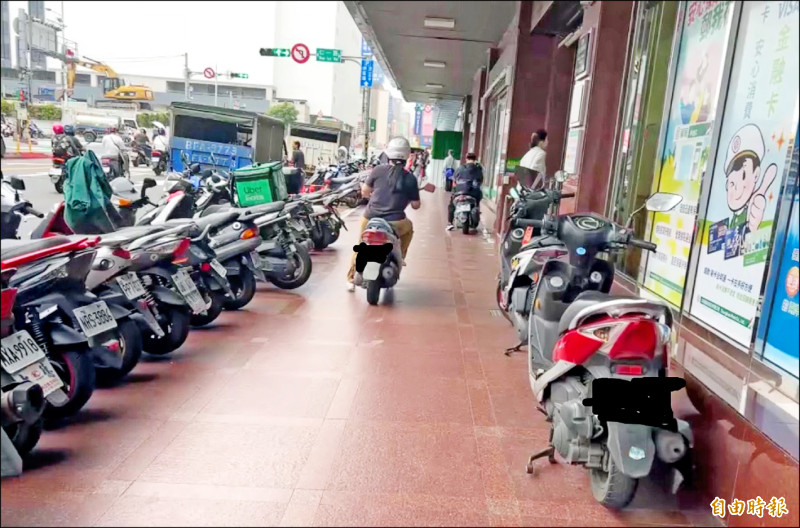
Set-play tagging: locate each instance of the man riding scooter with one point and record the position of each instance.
(141, 148)
(160, 152)
(114, 148)
(390, 189)
(467, 180)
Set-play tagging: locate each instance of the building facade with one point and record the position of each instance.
(698, 99)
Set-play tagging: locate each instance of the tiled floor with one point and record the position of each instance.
(311, 407)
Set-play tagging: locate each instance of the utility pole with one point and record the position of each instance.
(216, 74)
(186, 76)
(30, 75)
(365, 101)
(63, 63)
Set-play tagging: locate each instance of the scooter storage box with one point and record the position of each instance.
(259, 183)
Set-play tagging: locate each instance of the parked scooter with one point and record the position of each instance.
(524, 252)
(380, 257)
(13, 208)
(28, 378)
(73, 328)
(598, 363)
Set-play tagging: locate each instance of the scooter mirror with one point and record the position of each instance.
(17, 183)
(147, 183)
(662, 202)
(561, 176)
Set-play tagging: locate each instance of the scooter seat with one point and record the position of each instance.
(344, 179)
(14, 248)
(123, 187)
(213, 220)
(585, 300)
(256, 210)
(128, 234)
(315, 195)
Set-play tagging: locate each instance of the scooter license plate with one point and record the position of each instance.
(371, 271)
(18, 351)
(95, 318)
(156, 159)
(463, 208)
(131, 286)
(42, 374)
(219, 268)
(187, 288)
(528, 235)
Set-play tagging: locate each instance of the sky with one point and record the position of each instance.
(150, 38)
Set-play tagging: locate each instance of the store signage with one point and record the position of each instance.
(418, 120)
(366, 72)
(572, 150)
(582, 56)
(329, 55)
(756, 137)
(687, 144)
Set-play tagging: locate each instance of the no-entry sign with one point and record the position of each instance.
(300, 53)
(208, 73)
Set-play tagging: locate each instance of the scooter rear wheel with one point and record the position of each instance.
(130, 338)
(77, 371)
(176, 330)
(217, 302)
(24, 436)
(243, 286)
(612, 489)
(373, 292)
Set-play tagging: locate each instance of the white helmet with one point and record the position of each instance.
(398, 149)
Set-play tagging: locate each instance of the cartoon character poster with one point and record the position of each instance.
(704, 40)
(754, 151)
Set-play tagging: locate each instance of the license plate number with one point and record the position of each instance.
(298, 225)
(131, 286)
(19, 350)
(156, 159)
(463, 208)
(95, 318)
(371, 271)
(528, 235)
(256, 258)
(293, 248)
(55, 171)
(187, 288)
(41, 373)
(219, 268)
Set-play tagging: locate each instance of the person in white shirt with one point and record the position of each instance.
(449, 170)
(534, 161)
(160, 141)
(114, 147)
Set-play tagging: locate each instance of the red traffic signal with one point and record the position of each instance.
(22, 95)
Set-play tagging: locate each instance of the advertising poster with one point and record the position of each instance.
(426, 138)
(754, 151)
(782, 336)
(706, 26)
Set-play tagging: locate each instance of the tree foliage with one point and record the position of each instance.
(45, 112)
(286, 112)
(9, 108)
(146, 119)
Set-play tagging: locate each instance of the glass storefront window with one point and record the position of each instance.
(642, 115)
(687, 142)
(494, 149)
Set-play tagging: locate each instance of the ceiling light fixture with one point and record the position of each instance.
(439, 23)
(434, 64)
(434, 85)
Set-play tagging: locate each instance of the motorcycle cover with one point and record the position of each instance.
(87, 197)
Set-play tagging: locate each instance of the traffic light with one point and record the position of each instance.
(22, 96)
(274, 52)
(238, 76)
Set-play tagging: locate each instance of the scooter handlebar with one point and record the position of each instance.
(649, 246)
(522, 222)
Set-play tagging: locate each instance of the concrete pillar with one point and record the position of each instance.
(474, 137)
(610, 22)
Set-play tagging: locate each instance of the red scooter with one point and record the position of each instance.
(598, 363)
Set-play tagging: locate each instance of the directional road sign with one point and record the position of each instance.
(366, 72)
(300, 53)
(329, 55)
(239, 76)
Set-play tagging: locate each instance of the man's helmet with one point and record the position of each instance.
(58, 128)
(398, 149)
(69, 130)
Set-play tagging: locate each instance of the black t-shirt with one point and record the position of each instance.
(298, 159)
(393, 188)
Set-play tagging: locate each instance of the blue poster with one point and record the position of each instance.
(418, 121)
(782, 335)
